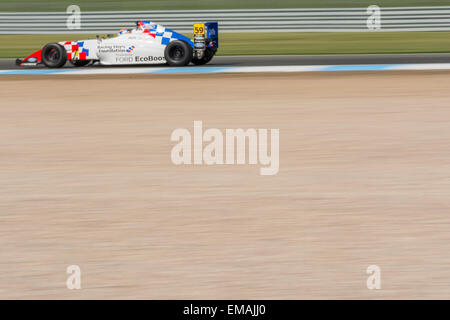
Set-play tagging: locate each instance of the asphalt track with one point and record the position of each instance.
(299, 60)
(364, 178)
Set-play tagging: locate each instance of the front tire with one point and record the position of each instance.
(178, 53)
(54, 55)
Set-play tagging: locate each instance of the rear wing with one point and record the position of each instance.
(212, 33)
(207, 32)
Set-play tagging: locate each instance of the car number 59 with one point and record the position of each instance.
(199, 28)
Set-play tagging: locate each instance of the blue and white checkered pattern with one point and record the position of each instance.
(166, 35)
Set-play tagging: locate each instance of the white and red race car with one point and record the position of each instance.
(148, 43)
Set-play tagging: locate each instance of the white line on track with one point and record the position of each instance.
(212, 69)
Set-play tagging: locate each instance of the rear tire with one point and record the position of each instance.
(54, 55)
(209, 54)
(178, 53)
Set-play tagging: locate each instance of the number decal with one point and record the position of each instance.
(199, 28)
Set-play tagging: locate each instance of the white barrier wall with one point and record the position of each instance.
(266, 20)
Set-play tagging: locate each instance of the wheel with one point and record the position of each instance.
(54, 55)
(209, 54)
(80, 63)
(178, 53)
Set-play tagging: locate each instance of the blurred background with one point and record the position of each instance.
(247, 27)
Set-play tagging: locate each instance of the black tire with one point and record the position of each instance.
(54, 55)
(178, 53)
(209, 54)
(80, 63)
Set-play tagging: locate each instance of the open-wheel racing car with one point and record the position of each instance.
(148, 43)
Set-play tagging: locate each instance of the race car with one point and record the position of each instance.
(148, 43)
